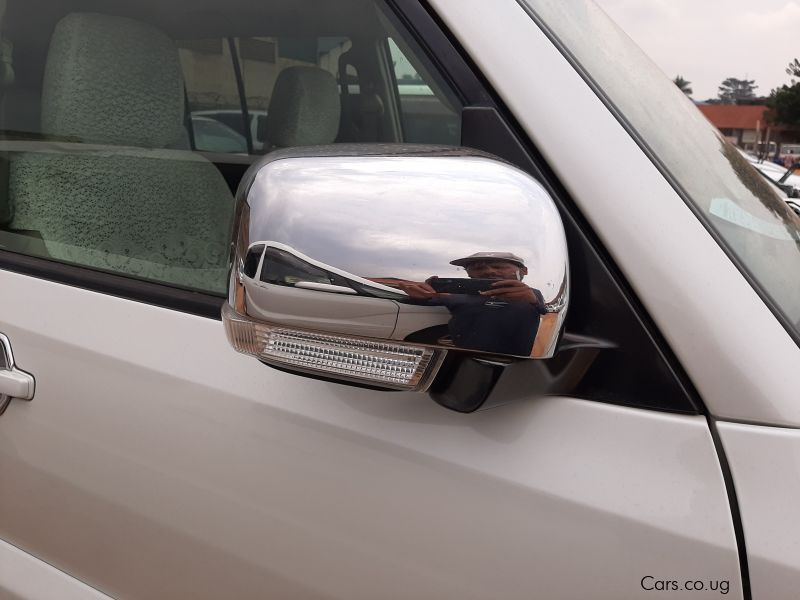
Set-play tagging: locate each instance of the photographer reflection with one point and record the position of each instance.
(492, 311)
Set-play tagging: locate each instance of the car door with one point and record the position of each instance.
(154, 461)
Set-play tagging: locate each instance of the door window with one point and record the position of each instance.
(124, 131)
(428, 115)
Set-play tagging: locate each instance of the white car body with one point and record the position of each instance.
(773, 171)
(156, 462)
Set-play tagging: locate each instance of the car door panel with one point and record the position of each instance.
(24, 577)
(764, 463)
(156, 462)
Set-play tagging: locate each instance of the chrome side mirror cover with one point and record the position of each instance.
(369, 263)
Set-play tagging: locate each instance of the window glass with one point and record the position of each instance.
(212, 97)
(263, 59)
(747, 213)
(125, 129)
(426, 117)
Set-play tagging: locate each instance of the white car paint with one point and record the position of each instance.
(772, 170)
(25, 577)
(765, 462)
(194, 455)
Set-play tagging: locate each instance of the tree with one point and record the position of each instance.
(683, 85)
(736, 91)
(794, 68)
(784, 102)
(784, 105)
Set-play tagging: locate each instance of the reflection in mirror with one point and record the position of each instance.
(450, 251)
(490, 310)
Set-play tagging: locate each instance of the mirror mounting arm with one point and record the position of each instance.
(464, 383)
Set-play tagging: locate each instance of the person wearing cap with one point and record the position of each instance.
(507, 268)
(502, 319)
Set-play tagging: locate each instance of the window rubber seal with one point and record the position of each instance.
(197, 303)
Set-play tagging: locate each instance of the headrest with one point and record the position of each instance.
(304, 108)
(112, 80)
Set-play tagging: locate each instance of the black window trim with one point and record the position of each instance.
(121, 286)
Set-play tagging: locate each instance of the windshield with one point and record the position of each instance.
(743, 211)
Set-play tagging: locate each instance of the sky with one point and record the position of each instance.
(707, 41)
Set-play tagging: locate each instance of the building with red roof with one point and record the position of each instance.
(746, 125)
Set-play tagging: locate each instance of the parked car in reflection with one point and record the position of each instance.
(787, 179)
(212, 136)
(232, 119)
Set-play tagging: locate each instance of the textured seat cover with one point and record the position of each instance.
(112, 80)
(304, 109)
(134, 208)
(157, 214)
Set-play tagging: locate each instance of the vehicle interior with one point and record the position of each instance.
(231, 55)
(127, 127)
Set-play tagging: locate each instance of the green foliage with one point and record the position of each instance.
(784, 105)
(736, 91)
(683, 85)
(794, 68)
(784, 102)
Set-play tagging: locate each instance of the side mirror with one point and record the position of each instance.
(368, 264)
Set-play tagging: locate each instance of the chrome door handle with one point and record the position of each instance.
(14, 383)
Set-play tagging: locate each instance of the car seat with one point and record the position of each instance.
(114, 197)
(304, 108)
